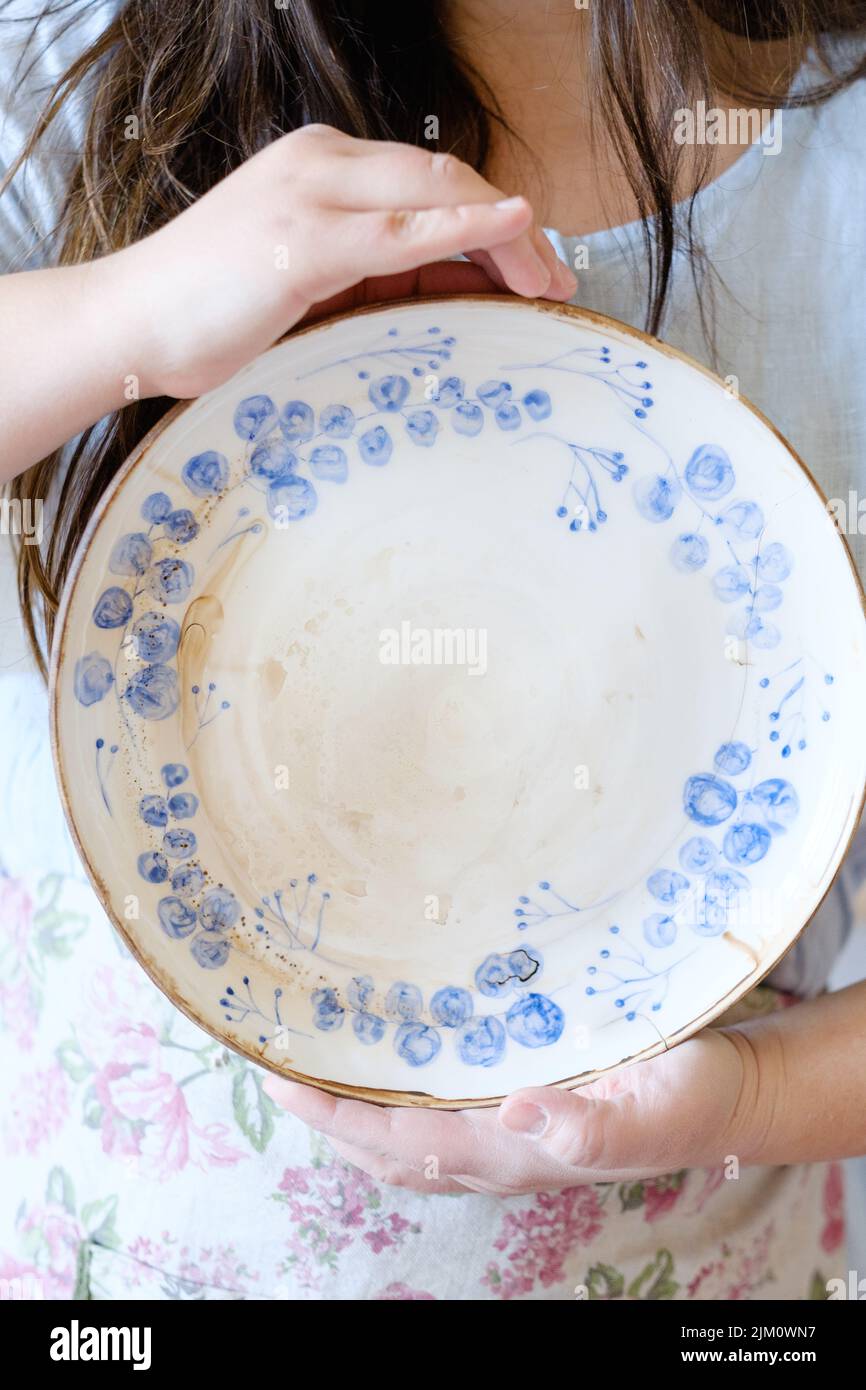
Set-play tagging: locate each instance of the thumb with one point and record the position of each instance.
(575, 1127)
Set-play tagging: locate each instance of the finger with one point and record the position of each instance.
(388, 1170)
(563, 280)
(414, 1137)
(404, 238)
(359, 175)
(402, 176)
(589, 1134)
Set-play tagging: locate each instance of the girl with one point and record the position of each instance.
(173, 145)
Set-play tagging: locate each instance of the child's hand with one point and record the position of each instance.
(694, 1106)
(301, 222)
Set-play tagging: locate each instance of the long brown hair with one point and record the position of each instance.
(212, 81)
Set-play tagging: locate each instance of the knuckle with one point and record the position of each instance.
(446, 168)
(314, 130)
(401, 224)
(580, 1142)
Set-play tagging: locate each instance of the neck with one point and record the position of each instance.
(534, 56)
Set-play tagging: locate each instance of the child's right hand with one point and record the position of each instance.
(302, 221)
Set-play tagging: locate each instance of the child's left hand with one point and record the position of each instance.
(694, 1106)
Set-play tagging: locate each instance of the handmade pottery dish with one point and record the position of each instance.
(467, 695)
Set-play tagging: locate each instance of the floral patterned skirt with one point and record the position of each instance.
(141, 1159)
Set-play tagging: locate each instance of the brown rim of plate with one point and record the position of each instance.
(371, 1094)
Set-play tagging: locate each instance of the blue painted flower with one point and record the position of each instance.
(131, 554)
(187, 880)
(451, 1006)
(709, 474)
(113, 608)
(493, 977)
(155, 636)
(153, 811)
(690, 552)
(375, 446)
(743, 520)
(778, 801)
(667, 885)
(337, 420)
(537, 404)
(450, 392)
(746, 843)
(255, 415)
(732, 758)
(389, 392)
(170, 579)
(176, 917)
(329, 462)
(774, 563)
(698, 855)
(753, 628)
(156, 507)
(153, 692)
(209, 952)
(183, 805)
(494, 393)
(659, 930)
(359, 992)
(468, 418)
(179, 844)
(206, 473)
(368, 1028)
(507, 416)
(174, 773)
(153, 866)
(328, 1012)
(416, 1043)
(271, 460)
(709, 799)
(403, 1001)
(181, 526)
(92, 679)
(480, 1042)
(656, 497)
(767, 598)
(731, 583)
(297, 422)
(535, 1021)
(218, 910)
(722, 891)
(422, 427)
(291, 498)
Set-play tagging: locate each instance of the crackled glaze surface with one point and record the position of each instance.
(467, 695)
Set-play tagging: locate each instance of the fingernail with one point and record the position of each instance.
(525, 1119)
(508, 204)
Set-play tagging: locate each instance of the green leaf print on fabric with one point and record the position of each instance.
(603, 1281)
(654, 1282)
(253, 1110)
(655, 1279)
(59, 1190)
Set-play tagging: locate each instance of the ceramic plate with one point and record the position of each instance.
(467, 695)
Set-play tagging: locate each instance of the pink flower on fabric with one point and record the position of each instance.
(540, 1237)
(38, 1110)
(16, 913)
(19, 1011)
(334, 1207)
(661, 1196)
(144, 1112)
(833, 1233)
